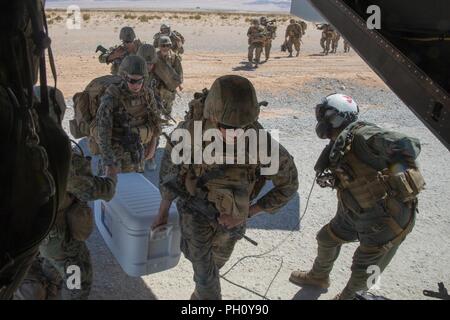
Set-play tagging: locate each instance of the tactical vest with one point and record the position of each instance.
(367, 185)
(257, 35)
(229, 187)
(137, 109)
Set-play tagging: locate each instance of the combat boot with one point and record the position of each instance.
(298, 53)
(194, 296)
(301, 278)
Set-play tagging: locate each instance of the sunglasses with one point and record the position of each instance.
(134, 81)
(166, 46)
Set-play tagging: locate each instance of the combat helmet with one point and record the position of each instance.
(335, 111)
(133, 65)
(148, 53)
(232, 101)
(127, 34)
(292, 21)
(164, 27)
(263, 20)
(165, 40)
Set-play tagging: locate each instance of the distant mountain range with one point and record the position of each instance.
(229, 5)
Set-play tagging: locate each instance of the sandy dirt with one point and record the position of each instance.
(216, 44)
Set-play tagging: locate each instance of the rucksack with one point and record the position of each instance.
(168, 75)
(304, 25)
(86, 104)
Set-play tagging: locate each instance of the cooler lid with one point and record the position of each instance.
(136, 201)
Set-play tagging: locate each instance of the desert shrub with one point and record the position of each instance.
(143, 18)
(86, 16)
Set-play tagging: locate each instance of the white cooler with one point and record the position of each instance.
(125, 225)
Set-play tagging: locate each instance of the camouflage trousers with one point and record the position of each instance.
(255, 50)
(208, 247)
(377, 238)
(267, 48)
(65, 254)
(325, 43)
(335, 43)
(168, 98)
(293, 42)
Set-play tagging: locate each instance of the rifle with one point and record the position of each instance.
(117, 53)
(102, 49)
(199, 204)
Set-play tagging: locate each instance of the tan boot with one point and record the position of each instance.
(301, 278)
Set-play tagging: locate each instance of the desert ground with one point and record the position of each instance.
(216, 44)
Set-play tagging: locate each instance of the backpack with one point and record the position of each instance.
(86, 104)
(167, 74)
(196, 106)
(304, 26)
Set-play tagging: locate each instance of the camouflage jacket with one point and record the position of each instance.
(118, 103)
(285, 181)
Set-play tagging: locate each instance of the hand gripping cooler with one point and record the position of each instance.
(125, 225)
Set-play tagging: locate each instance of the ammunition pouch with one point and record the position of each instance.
(80, 220)
(230, 201)
(405, 186)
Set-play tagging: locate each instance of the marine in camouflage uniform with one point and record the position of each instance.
(377, 180)
(293, 36)
(166, 55)
(271, 29)
(65, 245)
(346, 46)
(115, 55)
(209, 243)
(127, 124)
(256, 38)
(176, 38)
(330, 38)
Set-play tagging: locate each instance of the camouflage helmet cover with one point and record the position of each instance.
(165, 40)
(148, 53)
(263, 19)
(164, 27)
(127, 34)
(133, 65)
(292, 21)
(255, 21)
(232, 101)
